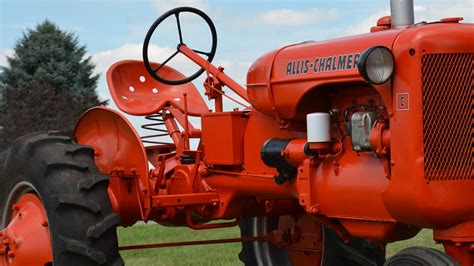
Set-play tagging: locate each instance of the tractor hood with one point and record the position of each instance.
(278, 81)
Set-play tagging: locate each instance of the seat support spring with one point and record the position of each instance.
(157, 125)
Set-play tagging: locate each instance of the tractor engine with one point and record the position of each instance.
(396, 107)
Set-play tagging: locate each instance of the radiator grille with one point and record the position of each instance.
(448, 116)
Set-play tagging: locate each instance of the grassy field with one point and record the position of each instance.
(223, 254)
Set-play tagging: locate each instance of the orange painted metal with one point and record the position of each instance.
(275, 93)
(458, 241)
(388, 194)
(119, 152)
(186, 199)
(26, 240)
(223, 137)
(463, 253)
(410, 197)
(383, 23)
(135, 92)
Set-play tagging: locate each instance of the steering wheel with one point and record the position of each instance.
(210, 55)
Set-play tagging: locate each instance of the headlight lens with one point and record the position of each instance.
(376, 65)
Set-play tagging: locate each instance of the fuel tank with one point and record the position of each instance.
(285, 83)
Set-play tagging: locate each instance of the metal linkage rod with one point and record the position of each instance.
(264, 238)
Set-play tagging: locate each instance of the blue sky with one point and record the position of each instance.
(114, 30)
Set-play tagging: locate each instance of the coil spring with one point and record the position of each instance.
(156, 126)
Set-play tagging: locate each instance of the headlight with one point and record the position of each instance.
(376, 64)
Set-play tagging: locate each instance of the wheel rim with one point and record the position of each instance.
(267, 254)
(25, 237)
(311, 237)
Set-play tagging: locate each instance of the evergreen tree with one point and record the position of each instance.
(48, 84)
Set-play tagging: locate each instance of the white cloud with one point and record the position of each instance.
(290, 17)
(428, 12)
(165, 5)
(418, 8)
(104, 59)
(236, 70)
(3, 56)
(437, 11)
(365, 24)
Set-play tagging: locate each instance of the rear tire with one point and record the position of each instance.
(62, 173)
(421, 256)
(335, 252)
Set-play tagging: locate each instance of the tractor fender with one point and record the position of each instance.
(119, 152)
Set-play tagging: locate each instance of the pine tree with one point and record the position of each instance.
(48, 84)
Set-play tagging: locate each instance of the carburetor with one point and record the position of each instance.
(360, 126)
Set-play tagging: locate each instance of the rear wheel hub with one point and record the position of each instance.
(306, 245)
(25, 240)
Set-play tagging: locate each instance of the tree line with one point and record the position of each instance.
(48, 83)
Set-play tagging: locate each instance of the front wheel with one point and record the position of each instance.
(330, 249)
(54, 206)
(421, 256)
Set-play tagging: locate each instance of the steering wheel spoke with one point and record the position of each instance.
(179, 28)
(153, 71)
(166, 61)
(201, 52)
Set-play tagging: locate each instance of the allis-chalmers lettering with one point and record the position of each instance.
(322, 64)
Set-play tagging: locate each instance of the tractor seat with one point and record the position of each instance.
(135, 92)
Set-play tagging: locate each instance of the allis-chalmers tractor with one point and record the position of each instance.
(344, 146)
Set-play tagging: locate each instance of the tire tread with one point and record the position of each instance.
(110, 221)
(79, 202)
(92, 181)
(83, 249)
(67, 180)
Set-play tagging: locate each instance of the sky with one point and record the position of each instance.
(113, 30)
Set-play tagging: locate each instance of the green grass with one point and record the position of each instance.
(221, 254)
(424, 239)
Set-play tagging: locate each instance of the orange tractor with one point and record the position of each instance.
(344, 146)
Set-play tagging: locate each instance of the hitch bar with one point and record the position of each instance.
(264, 238)
(279, 238)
